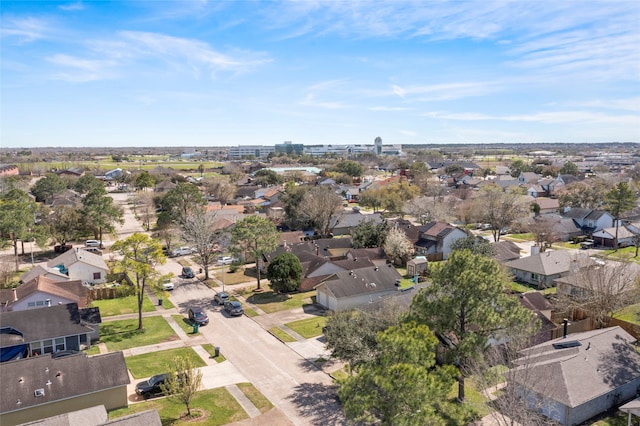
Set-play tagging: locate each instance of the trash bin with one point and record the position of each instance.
(196, 326)
(159, 302)
(216, 351)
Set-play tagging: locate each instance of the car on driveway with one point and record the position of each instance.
(221, 297)
(92, 243)
(233, 308)
(151, 387)
(187, 272)
(226, 260)
(198, 316)
(182, 251)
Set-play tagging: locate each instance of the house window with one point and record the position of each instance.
(96, 275)
(59, 342)
(535, 277)
(47, 346)
(31, 304)
(40, 303)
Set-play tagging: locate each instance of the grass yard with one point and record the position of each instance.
(523, 288)
(212, 351)
(147, 365)
(93, 350)
(220, 406)
(120, 335)
(166, 303)
(614, 418)
(122, 305)
(630, 314)
(309, 327)
(270, 301)
(185, 325)
(281, 334)
(237, 277)
(254, 395)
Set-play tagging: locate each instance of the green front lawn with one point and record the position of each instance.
(281, 334)
(270, 301)
(220, 406)
(212, 351)
(122, 305)
(309, 327)
(257, 398)
(185, 325)
(230, 278)
(120, 335)
(630, 314)
(147, 365)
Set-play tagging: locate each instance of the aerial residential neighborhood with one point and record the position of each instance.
(252, 301)
(318, 213)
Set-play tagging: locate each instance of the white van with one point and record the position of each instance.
(92, 243)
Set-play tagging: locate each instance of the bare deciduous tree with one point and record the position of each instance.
(498, 208)
(322, 207)
(545, 230)
(199, 230)
(601, 289)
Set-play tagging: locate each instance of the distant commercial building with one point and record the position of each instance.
(250, 151)
(290, 148)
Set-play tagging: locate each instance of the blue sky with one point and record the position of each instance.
(222, 73)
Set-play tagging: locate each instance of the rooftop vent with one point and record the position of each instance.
(568, 344)
(38, 392)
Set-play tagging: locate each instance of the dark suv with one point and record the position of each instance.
(187, 272)
(233, 308)
(198, 316)
(151, 387)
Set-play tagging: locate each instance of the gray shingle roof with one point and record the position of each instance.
(72, 256)
(70, 376)
(352, 283)
(548, 263)
(604, 361)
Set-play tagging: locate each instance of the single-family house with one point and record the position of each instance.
(34, 332)
(435, 240)
(113, 174)
(38, 387)
(607, 237)
(547, 205)
(164, 186)
(574, 378)
(505, 251)
(375, 254)
(43, 270)
(71, 171)
(542, 269)
(562, 181)
(81, 265)
(352, 288)
(43, 292)
(601, 277)
(9, 170)
(589, 220)
(343, 224)
(527, 178)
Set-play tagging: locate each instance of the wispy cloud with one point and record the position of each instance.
(82, 70)
(389, 109)
(407, 133)
(441, 92)
(70, 7)
(315, 92)
(629, 104)
(557, 117)
(25, 30)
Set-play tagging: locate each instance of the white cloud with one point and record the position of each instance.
(541, 117)
(390, 109)
(82, 70)
(70, 7)
(447, 91)
(407, 133)
(25, 30)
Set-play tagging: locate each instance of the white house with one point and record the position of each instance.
(43, 292)
(435, 240)
(81, 265)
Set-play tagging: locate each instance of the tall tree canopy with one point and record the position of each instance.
(100, 213)
(200, 231)
(321, 207)
(402, 385)
(368, 234)
(140, 256)
(285, 272)
(256, 236)
(48, 186)
(620, 200)
(466, 302)
(181, 200)
(350, 168)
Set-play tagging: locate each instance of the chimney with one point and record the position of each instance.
(565, 325)
(535, 250)
(15, 295)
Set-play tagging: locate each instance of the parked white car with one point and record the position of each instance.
(167, 285)
(226, 260)
(182, 251)
(92, 243)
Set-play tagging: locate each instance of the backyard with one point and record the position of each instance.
(121, 335)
